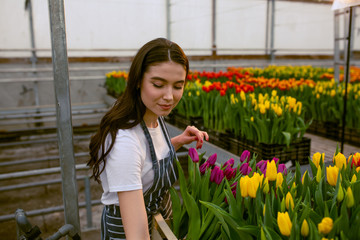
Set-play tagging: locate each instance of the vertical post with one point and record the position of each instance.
(213, 29)
(88, 202)
(272, 51)
(346, 77)
(336, 46)
(267, 29)
(168, 20)
(33, 58)
(63, 112)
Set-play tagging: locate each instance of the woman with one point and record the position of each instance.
(132, 154)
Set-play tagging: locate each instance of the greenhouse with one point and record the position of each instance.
(168, 119)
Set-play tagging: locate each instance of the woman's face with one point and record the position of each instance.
(161, 89)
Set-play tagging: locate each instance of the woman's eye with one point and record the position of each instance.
(178, 87)
(157, 86)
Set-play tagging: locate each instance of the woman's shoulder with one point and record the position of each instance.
(135, 134)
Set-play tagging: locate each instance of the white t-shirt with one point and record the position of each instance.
(129, 166)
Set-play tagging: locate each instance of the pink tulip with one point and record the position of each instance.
(217, 175)
(245, 169)
(229, 162)
(230, 172)
(245, 156)
(282, 168)
(194, 155)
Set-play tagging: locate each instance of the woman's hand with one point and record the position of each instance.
(190, 135)
(133, 214)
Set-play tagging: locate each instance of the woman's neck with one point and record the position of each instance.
(150, 121)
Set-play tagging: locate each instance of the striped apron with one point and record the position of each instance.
(157, 198)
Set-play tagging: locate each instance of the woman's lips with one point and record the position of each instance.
(165, 106)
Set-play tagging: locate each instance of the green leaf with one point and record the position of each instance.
(287, 136)
(176, 210)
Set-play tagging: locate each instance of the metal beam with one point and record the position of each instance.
(63, 112)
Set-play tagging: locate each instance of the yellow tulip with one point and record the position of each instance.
(289, 201)
(244, 181)
(253, 185)
(353, 179)
(252, 119)
(259, 177)
(266, 187)
(332, 175)
(349, 198)
(304, 228)
(340, 160)
(340, 195)
(316, 158)
(271, 171)
(326, 225)
(264, 209)
(318, 174)
(242, 96)
(284, 223)
(279, 179)
(357, 169)
(302, 180)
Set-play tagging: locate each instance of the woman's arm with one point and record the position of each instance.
(190, 134)
(133, 214)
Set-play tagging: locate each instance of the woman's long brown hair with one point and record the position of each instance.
(128, 110)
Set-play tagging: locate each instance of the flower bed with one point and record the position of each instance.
(264, 200)
(274, 105)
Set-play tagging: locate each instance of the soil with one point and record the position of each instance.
(45, 196)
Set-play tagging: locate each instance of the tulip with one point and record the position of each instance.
(275, 159)
(353, 179)
(355, 159)
(245, 169)
(317, 157)
(302, 180)
(282, 205)
(212, 159)
(233, 188)
(262, 166)
(304, 228)
(340, 160)
(284, 223)
(229, 162)
(266, 187)
(318, 174)
(244, 181)
(230, 172)
(245, 156)
(326, 225)
(332, 175)
(194, 155)
(217, 175)
(271, 171)
(349, 198)
(259, 177)
(279, 179)
(282, 169)
(253, 186)
(340, 194)
(289, 202)
(357, 169)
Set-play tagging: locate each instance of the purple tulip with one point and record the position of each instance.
(212, 159)
(194, 155)
(282, 168)
(203, 168)
(229, 162)
(230, 172)
(245, 169)
(262, 166)
(233, 188)
(276, 160)
(245, 156)
(217, 175)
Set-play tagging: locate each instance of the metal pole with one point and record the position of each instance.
(213, 24)
(336, 46)
(267, 29)
(63, 112)
(346, 78)
(272, 53)
(33, 58)
(168, 20)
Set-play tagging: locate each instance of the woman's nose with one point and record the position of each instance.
(168, 94)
